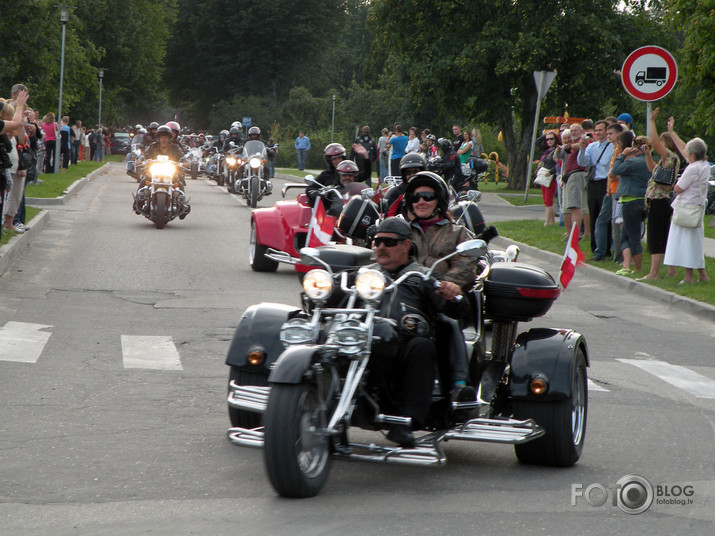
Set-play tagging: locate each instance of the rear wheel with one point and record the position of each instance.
(297, 459)
(239, 417)
(564, 422)
(257, 254)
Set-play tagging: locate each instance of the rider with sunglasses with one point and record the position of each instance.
(414, 306)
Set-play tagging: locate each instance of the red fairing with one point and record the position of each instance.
(276, 226)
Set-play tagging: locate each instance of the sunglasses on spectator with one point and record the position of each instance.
(425, 196)
(387, 241)
(550, 139)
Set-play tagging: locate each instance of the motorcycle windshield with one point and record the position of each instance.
(253, 147)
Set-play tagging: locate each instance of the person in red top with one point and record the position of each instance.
(50, 128)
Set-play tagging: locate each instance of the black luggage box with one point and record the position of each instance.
(518, 292)
(357, 216)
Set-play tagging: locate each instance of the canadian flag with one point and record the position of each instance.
(572, 258)
(320, 230)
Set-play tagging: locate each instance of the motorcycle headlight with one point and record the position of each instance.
(296, 331)
(318, 284)
(230, 161)
(161, 169)
(255, 162)
(351, 336)
(370, 284)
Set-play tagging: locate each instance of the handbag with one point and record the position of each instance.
(688, 215)
(591, 171)
(664, 176)
(543, 177)
(25, 157)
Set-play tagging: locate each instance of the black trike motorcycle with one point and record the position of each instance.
(299, 376)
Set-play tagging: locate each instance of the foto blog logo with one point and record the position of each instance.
(632, 494)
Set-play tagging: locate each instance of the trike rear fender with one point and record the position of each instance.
(259, 328)
(276, 226)
(548, 353)
(292, 364)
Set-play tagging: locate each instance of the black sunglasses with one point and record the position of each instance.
(550, 139)
(387, 241)
(425, 196)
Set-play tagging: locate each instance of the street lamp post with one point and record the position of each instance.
(64, 18)
(332, 123)
(100, 73)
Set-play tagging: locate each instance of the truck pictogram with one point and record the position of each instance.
(652, 75)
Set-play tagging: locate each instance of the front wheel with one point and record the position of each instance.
(161, 211)
(252, 198)
(297, 459)
(194, 170)
(564, 422)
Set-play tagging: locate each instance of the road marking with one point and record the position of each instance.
(22, 342)
(150, 352)
(693, 383)
(593, 386)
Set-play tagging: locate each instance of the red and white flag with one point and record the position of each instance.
(320, 230)
(572, 258)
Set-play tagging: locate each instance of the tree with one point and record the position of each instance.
(480, 67)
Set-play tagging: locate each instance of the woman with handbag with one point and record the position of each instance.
(658, 197)
(547, 162)
(685, 239)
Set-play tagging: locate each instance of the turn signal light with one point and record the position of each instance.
(256, 356)
(538, 386)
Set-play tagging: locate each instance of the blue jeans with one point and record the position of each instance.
(602, 227)
(632, 219)
(75, 151)
(301, 158)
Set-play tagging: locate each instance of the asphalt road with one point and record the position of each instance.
(94, 441)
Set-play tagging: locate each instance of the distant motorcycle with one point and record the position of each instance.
(192, 162)
(161, 199)
(232, 163)
(254, 182)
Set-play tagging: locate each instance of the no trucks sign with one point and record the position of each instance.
(649, 73)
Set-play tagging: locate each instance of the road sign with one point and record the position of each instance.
(649, 73)
(246, 121)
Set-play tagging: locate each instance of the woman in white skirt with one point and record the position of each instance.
(685, 244)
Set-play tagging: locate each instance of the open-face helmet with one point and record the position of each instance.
(153, 125)
(445, 145)
(254, 131)
(412, 161)
(347, 167)
(163, 129)
(173, 125)
(434, 181)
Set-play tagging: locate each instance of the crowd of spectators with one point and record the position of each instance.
(28, 147)
(605, 178)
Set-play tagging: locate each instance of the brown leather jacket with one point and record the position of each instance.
(441, 239)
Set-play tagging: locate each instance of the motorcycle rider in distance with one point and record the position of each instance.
(150, 136)
(176, 130)
(435, 235)
(414, 307)
(162, 147)
(333, 154)
(410, 164)
(450, 167)
(234, 135)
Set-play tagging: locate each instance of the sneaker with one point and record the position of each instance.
(16, 229)
(402, 435)
(21, 227)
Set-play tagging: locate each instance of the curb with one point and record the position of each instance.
(17, 244)
(70, 192)
(687, 305)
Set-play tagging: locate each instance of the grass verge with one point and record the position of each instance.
(533, 233)
(30, 212)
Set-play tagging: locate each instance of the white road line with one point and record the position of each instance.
(593, 386)
(693, 383)
(150, 352)
(22, 342)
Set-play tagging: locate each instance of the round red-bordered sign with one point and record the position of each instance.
(649, 73)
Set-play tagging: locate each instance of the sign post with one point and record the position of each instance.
(543, 81)
(649, 74)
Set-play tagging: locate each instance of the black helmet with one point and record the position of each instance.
(444, 144)
(396, 226)
(434, 181)
(254, 131)
(412, 161)
(153, 125)
(163, 129)
(235, 130)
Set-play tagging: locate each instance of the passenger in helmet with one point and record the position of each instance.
(234, 135)
(436, 235)
(164, 146)
(333, 154)
(409, 165)
(348, 172)
(150, 136)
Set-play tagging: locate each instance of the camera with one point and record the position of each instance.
(587, 135)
